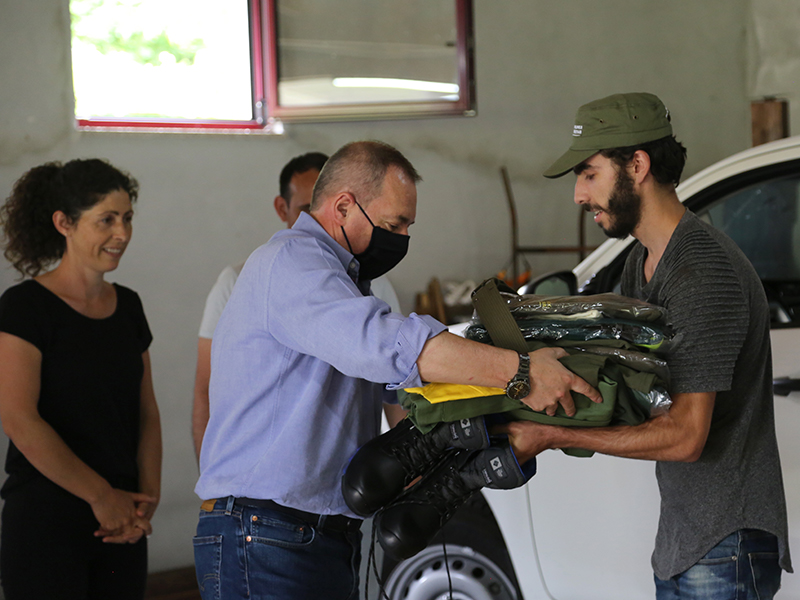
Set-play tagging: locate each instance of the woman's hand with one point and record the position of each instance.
(147, 508)
(118, 513)
(130, 535)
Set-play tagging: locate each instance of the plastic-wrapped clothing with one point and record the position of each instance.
(612, 306)
(623, 353)
(551, 328)
(630, 395)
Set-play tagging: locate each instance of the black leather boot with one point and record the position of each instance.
(407, 526)
(382, 467)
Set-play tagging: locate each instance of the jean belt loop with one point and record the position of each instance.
(229, 506)
(321, 521)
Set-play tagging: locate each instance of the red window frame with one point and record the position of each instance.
(265, 76)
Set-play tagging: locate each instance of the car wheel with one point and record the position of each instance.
(473, 576)
(478, 561)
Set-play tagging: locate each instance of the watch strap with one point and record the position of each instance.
(524, 365)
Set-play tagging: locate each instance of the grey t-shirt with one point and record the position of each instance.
(716, 304)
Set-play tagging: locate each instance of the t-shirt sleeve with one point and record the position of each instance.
(22, 315)
(710, 315)
(216, 301)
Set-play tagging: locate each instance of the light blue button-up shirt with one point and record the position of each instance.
(293, 361)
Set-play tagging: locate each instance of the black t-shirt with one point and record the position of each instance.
(90, 379)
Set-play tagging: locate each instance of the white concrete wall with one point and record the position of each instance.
(773, 57)
(206, 199)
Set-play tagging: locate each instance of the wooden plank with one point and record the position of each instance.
(177, 584)
(770, 120)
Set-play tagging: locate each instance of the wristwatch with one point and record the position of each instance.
(520, 385)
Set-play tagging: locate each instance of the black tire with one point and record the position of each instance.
(477, 557)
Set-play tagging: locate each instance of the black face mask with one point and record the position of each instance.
(384, 252)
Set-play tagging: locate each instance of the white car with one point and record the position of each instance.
(585, 528)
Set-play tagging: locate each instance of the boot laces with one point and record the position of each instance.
(417, 455)
(448, 493)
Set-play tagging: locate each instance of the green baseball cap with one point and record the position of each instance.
(616, 121)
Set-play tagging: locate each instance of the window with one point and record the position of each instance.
(157, 63)
(763, 221)
(204, 64)
(370, 59)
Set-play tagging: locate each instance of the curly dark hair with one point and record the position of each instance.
(667, 158)
(31, 240)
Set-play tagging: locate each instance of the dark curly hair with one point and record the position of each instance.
(31, 240)
(667, 158)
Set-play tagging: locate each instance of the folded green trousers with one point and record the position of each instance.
(630, 395)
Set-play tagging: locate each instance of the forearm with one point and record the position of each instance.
(199, 419)
(678, 435)
(656, 439)
(49, 454)
(35, 438)
(200, 410)
(447, 358)
(452, 359)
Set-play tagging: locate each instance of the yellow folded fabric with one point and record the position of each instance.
(444, 392)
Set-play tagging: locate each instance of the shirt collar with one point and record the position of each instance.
(308, 224)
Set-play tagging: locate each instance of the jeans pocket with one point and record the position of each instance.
(280, 532)
(712, 578)
(766, 574)
(207, 564)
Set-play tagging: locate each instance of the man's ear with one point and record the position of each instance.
(640, 165)
(62, 223)
(282, 208)
(341, 207)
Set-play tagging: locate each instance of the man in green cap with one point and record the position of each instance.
(722, 531)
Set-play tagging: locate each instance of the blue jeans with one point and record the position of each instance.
(743, 566)
(253, 553)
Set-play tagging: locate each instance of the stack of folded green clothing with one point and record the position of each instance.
(614, 343)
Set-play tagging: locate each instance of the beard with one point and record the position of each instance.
(624, 208)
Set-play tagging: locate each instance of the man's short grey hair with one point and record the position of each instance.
(360, 168)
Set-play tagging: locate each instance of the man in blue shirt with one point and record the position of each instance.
(297, 181)
(302, 359)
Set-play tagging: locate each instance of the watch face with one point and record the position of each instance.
(517, 390)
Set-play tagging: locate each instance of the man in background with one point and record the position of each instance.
(297, 181)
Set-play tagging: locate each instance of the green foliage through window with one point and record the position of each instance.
(146, 51)
(163, 59)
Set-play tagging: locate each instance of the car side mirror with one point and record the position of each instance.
(558, 283)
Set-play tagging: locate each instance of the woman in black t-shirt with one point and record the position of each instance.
(76, 396)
